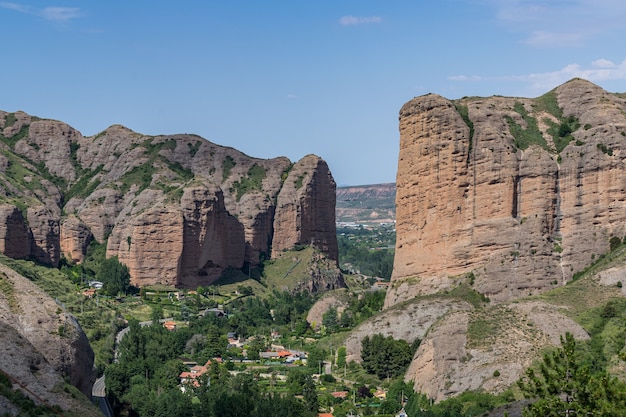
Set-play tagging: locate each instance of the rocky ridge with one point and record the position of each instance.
(366, 204)
(177, 209)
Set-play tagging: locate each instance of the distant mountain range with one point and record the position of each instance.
(374, 203)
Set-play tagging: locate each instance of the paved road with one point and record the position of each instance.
(98, 388)
(98, 391)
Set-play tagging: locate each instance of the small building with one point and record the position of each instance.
(170, 325)
(90, 293)
(380, 394)
(339, 394)
(95, 284)
(268, 355)
(217, 311)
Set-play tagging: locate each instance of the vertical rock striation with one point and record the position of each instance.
(305, 212)
(518, 193)
(177, 209)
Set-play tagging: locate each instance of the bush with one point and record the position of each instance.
(614, 243)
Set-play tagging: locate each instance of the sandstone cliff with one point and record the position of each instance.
(43, 345)
(520, 193)
(177, 209)
(500, 202)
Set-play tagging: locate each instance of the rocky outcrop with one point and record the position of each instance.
(48, 343)
(75, 238)
(14, 236)
(409, 322)
(520, 193)
(336, 299)
(304, 207)
(176, 209)
(212, 238)
(499, 199)
(472, 350)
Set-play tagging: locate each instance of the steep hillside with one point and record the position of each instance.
(366, 204)
(177, 209)
(43, 349)
(470, 344)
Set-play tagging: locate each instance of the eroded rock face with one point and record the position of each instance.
(450, 361)
(213, 239)
(75, 238)
(408, 323)
(14, 237)
(472, 197)
(57, 343)
(176, 209)
(304, 208)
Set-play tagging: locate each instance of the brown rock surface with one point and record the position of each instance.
(213, 239)
(58, 347)
(44, 226)
(176, 209)
(305, 207)
(74, 239)
(14, 237)
(472, 198)
(450, 360)
(409, 322)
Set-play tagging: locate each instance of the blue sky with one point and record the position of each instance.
(274, 78)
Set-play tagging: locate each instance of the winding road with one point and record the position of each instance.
(98, 390)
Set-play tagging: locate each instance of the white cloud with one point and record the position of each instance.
(16, 7)
(598, 71)
(60, 14)
(549, 39)
(53, 14)
(353, 20)
(602, 63)
(465, 78)
(559, 23)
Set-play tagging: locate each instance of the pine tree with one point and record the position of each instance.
(563, 387)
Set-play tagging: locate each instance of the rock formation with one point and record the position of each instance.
(177, 209)
(500, 199)
(42, 344)
(303, 209)
(520, 193)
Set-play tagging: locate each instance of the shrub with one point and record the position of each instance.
(614, 243)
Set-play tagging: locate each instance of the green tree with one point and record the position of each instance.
(156, 314)
(309, 394)
(315, 359)
(330, 320)
(385, 357)
(564, 387)
(114, 276)
(341, 357)
(253, 349)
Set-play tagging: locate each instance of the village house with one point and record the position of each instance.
(339, 394)
(192, 377)
(89, 293)
(170, 325)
